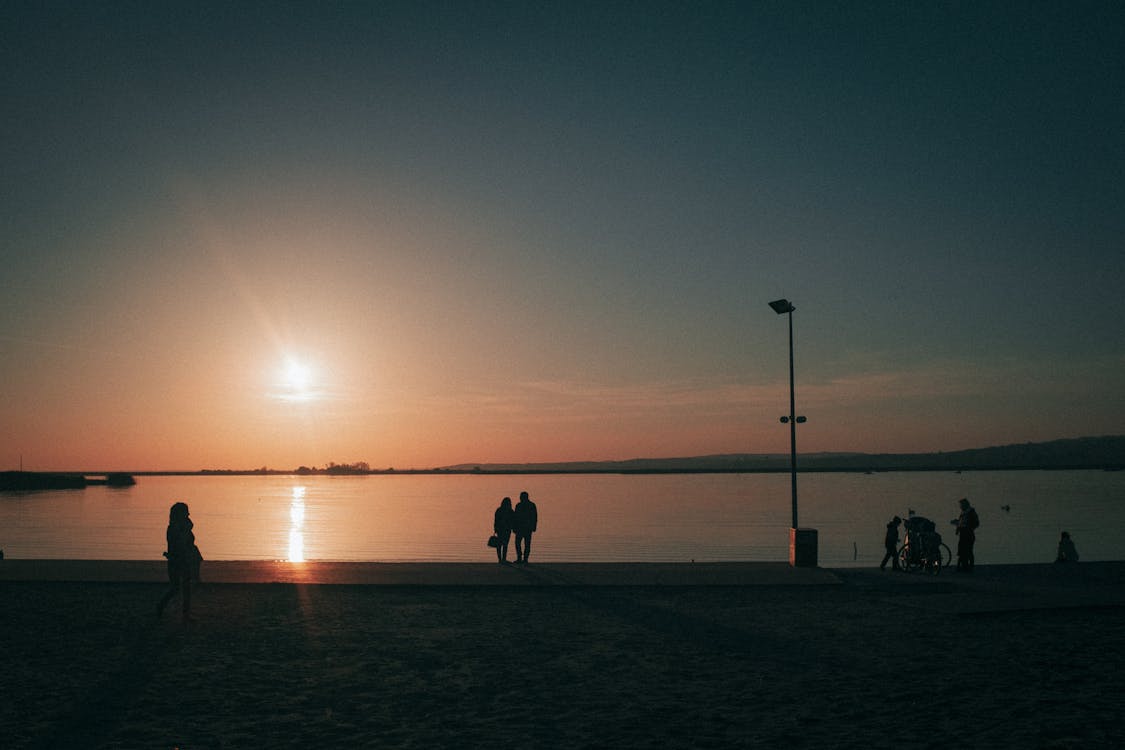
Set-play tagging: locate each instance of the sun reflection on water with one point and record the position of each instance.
(297, 526)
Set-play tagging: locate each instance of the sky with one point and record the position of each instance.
(417, 234)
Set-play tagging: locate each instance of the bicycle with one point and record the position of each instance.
(926, 555)
(924, 532)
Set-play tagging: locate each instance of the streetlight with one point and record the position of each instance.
(802, 542)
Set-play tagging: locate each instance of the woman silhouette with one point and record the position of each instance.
(502, 527)
(183, 559)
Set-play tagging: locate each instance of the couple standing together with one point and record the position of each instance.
(523, 520)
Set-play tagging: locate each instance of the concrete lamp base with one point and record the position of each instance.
(802, 548)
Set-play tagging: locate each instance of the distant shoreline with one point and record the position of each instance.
(509, 472)
(519, 472)
(1105, 453)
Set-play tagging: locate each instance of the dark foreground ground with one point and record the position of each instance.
(1013, 656)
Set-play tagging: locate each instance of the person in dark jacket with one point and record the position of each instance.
(967, 524)
(183, 559)
(890, 542)
(502, 527)
(525, 522)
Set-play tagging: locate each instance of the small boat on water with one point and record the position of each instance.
(116, 479)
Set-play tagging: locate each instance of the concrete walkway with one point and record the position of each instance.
(996, 588)
(430, 574)
(990, 589)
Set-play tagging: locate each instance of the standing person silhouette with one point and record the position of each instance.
(1067, 551)
(183, 559)
(890, 542)
(525, 522)
(502, 527)
(967, 524)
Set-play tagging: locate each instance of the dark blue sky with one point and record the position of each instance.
(549, 231)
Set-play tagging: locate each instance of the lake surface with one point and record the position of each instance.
(596, 518)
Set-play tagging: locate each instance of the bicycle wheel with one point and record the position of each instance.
(904, 557)
(946, 555)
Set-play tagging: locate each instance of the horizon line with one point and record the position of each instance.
(554, 466)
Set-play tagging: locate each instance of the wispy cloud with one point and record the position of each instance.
(945, 381)
(574, 400)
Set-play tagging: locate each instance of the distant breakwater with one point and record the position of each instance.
(26, 481)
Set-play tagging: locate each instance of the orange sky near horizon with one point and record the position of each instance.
(234, 408)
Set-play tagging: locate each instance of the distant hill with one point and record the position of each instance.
(1106, 453)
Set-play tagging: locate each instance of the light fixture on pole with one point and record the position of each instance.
(800, 551)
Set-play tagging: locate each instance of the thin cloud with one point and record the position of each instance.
(951, 380)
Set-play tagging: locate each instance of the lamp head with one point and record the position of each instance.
(782, 306)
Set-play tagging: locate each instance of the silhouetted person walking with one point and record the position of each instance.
(890, 542)
(967, 524)
(183, 559)
(525, 522)
(502, 527)
(1067, 551)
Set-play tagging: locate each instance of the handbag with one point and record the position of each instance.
(493, 541)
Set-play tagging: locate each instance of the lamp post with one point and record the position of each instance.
(800, 551)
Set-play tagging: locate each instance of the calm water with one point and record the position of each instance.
(582, 517)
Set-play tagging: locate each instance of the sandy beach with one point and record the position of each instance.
(561, 655)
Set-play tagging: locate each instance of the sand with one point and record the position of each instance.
(436, 656)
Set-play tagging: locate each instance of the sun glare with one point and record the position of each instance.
(297, 526)
(296, 381)
(298, 376)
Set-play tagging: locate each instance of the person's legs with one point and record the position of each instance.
(963, 552)
(521, 540)
(171, 592)
(526, 545)
(173, 587)
(185, 595)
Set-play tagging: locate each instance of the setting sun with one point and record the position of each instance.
(297, 381)
(298, 376)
